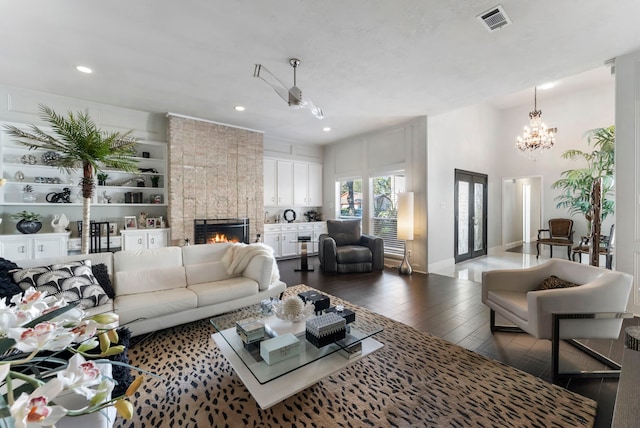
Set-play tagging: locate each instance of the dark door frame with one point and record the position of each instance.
(473, 178)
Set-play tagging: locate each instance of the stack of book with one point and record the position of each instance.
(250, 330)
(325, 329)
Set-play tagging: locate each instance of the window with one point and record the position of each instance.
(350, 194)
(384, 200)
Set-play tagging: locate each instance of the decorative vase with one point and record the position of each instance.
(28, 226)
(28, 197)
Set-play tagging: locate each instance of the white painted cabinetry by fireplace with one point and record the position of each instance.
(283, 237)
(35, 246)
(278, 183)
(140, 239)
(288, 183)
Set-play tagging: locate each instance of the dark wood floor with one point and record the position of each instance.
(450, 308)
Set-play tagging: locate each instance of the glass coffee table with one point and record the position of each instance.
(270, 384)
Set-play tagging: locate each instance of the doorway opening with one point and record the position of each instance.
(470, 201)
(521, 211)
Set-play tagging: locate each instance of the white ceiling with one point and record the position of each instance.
(367, 63)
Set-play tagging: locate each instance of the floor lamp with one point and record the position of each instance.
(405, 227)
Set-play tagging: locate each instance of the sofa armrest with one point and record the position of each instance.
(261, 269)
(327, 253)
(376, 245)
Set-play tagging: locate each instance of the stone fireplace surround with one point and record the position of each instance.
(215, 171)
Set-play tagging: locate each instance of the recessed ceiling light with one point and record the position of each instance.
(239, 108)
(83, 69)
(546, 86)
(326, 129)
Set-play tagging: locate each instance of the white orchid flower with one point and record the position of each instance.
(80, 375)
(84, 330)
(45, 336)
(32, 410)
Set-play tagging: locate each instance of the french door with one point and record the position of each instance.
(470, 231)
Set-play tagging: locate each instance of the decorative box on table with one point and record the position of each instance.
(325, 329)
(349, 316)
(250, 330)
(320, 301)
(279, 348)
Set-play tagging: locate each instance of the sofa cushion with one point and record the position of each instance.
(154, 304)
(513, 302)
(353, 254)
(346, 232)
(206, 272)
(204, 253)
(74, 281)
(554, 282)
(145, 281)
(224, 291)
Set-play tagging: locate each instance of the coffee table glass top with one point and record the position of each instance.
(263, 372)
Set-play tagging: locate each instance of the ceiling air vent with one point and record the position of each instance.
(494, 18)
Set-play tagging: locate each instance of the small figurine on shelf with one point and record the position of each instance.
(107, 197)
(59, 223)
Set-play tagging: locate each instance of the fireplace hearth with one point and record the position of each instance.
(211, 231)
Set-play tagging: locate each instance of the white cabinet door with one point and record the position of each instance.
(16, 248)
(272, 239)
(315, 185)
(285, 183)
(289, 242)
(301, 184)
(49, 247)
(270, 183)
(157, 238)
(133, 240)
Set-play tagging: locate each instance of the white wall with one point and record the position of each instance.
(463, 139)
(401, 147)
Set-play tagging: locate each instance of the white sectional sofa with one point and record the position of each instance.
(164, 287)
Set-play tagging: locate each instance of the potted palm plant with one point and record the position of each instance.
(80, 143)
(588, 190)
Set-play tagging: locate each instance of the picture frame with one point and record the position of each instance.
(151, 222)
(130, 222)
(113, 228)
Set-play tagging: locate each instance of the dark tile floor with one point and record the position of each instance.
(450, 308)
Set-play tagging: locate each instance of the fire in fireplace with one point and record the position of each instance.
(211, 231)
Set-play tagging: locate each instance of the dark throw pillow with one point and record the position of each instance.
(8, 287)
(73, 280)
(554, 282)
(101, 272)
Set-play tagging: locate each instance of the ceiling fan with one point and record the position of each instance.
(292, 95)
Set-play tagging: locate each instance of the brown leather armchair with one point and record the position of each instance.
(559, 233)
(345, 249)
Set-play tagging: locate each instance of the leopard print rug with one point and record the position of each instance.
(416, 380)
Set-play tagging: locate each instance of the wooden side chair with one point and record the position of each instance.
(607, 246)
(559, 233)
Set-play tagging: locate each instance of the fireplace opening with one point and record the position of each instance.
(211, 231)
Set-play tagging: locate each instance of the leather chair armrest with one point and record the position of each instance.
(376, 245)
(327, 253)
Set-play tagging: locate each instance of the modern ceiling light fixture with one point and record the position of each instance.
(239, 108)
(536, 137)
(292, 95)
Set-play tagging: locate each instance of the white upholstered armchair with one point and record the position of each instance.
(592, 310)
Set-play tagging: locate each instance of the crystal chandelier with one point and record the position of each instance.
(536, 137)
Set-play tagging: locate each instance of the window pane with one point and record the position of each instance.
(350, 203)
(384, 199)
